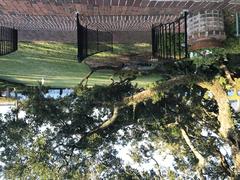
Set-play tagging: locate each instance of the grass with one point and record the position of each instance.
(57, 64)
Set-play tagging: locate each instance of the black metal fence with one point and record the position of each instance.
(8, 40)
(170, 41)
(92, 41)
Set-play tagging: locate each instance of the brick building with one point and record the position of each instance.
(55, 19)
(206, 29)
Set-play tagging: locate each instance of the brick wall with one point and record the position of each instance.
(40, 35)
(130, 14)
(132, 37)
(71, 36)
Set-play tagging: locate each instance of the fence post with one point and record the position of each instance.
(12, 39)
(1, 41)
(170, 40)
(4, 41)
(162, 39)
(186, 34)
(79, 44)
(156, 40)
(112, 40)
(163, 34)
(179, 38)
(174, 41)
(97, 41)
(86, 39)
(158, 30)
(153, 41)
(16, 39)
(8, 40)
(166, 41)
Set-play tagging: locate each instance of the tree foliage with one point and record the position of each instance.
(187, 116)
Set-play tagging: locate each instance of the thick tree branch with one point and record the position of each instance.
(163, 87)
(227, 128)
(141, 97)
(201, 159)
(224, 111)
(227, 74)
(108, 122)
(99, 128)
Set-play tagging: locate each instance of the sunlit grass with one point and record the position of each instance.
(57, 64)
(105, 54)
(142, 45)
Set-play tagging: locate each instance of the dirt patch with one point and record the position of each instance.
(118, 62)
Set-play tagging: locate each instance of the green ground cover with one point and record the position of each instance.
(232, 46)
(57, 64)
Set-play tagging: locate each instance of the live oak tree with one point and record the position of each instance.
(187, 115)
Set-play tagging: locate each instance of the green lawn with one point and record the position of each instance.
(57, 64)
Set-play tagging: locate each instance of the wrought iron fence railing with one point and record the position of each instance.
(90, 41)
(8, 40)
(170, 41)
